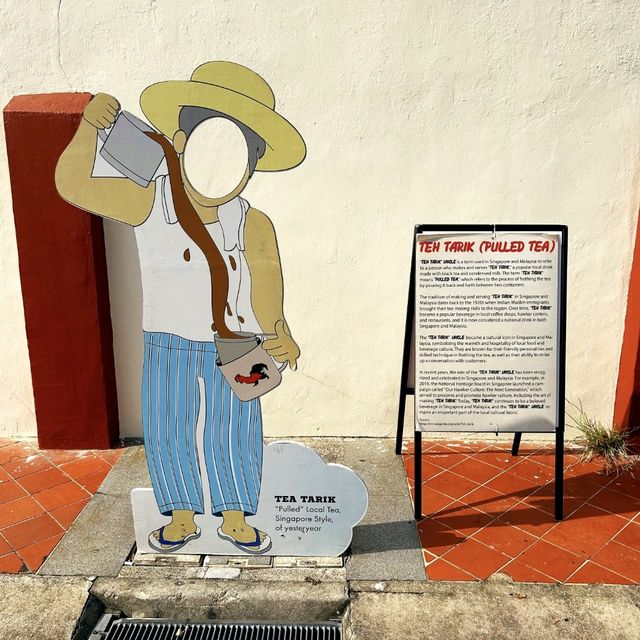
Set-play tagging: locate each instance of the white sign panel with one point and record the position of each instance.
(307, 507)
(486, 331)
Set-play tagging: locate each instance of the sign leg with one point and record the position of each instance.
(417, 473)
(401, 410)
(516, 444)
(559, 488)
(406, 353)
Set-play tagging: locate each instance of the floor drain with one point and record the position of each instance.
(130, 629)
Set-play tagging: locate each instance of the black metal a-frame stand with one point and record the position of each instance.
(407, 364)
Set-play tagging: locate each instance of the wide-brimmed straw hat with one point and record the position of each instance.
(237, 92)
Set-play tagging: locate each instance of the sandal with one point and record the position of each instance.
(256, 547)
(162, 544)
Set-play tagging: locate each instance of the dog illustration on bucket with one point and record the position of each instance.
(215, 334)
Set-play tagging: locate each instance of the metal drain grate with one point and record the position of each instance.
(126, 629)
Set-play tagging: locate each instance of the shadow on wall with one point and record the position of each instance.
(125, 294)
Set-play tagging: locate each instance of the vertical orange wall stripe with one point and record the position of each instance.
(630, 343)
(63, 275)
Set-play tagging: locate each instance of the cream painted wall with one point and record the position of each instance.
(413, 112)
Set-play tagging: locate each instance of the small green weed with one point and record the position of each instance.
(599, 441)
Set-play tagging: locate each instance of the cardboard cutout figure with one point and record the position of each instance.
(215, 334)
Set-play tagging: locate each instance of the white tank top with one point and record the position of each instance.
(176, 285)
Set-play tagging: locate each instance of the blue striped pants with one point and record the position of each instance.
(232, 429)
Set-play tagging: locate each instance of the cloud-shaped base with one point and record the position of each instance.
(308, 507)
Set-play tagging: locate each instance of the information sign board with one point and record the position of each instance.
(485, 336)
(486, 327)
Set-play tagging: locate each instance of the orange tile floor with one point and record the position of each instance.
(488, 512)
(41, 494)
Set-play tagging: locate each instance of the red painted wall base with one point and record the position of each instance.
(627, 406)
(63, 275)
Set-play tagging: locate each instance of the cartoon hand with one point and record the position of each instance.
(282, 347)
(101, 112)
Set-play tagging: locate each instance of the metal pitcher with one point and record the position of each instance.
(128, 149)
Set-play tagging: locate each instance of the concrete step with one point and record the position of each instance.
(208, 599)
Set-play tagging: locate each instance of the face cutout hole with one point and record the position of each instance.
(215, 157)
